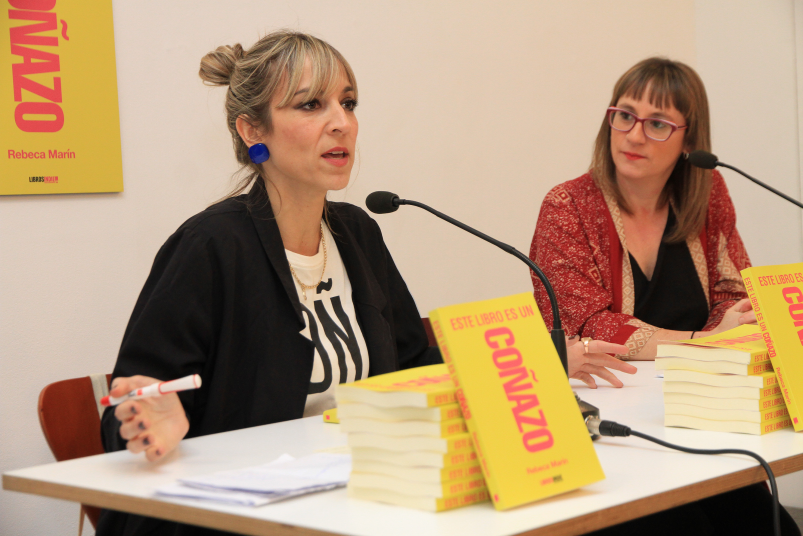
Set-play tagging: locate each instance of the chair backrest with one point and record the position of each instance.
(428, 329)
(68, 413)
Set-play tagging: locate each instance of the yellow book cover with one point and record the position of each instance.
(744, 345)
(421, 387)
(524, 421)
(59, 118)
(776, 293)
(330, 416)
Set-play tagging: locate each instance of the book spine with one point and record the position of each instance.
(450, 428)
(443, 344)
(439, 399)
(771, 391)
(466, 499)
(758, 368)
(449, 413)
(774, 414)
(454, 488)
(778, 424)
(459, 443)
(461, 472)
(771, 402)
(759, 357)
(459, 458)
(763, 324)
(770, 380)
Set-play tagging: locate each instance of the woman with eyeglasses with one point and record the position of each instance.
(644, 247)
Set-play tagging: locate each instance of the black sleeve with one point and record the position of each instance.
(173, 326)
(411, 339)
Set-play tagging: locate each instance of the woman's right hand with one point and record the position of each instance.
(154, 425)
(597, 361)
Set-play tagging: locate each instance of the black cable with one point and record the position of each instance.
(614, 429)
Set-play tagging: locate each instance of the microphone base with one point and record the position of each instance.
(588, 411)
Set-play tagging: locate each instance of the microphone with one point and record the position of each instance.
(706, 160)
(382, 202)
(386, 202)
(702, 159)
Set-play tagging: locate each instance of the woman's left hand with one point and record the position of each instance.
(597, 362)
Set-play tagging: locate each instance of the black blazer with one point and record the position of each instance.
(220, 301)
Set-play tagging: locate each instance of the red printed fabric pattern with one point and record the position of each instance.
(580, 245)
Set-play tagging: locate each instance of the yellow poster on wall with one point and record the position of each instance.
(59, 119)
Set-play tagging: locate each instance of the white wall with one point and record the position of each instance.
(746, 54)
(470, 107)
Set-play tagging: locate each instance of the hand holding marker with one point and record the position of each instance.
(192, 381)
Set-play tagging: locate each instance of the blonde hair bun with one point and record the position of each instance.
(218, 66)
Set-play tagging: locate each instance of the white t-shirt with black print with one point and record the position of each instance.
(331, 324)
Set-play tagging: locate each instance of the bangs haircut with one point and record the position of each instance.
(255, 78)
(327, 67)
(665, 84)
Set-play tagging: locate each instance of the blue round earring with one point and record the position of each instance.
(258, 153)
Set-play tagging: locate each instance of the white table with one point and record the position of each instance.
(642, 478)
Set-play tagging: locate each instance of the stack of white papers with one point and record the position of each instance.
(256, 486)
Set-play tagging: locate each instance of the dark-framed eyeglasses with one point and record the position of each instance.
(655, 129)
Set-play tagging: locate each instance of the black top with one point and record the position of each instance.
(220, 302)
(674, 298)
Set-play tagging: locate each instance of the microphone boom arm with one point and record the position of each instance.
(767, 186)
(557, 334)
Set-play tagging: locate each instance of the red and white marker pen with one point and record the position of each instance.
(155, 389)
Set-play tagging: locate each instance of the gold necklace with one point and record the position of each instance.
(302, 285)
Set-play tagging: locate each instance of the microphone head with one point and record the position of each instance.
(382, 202)
(703, 159)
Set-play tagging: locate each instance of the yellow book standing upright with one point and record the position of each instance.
(524, 421)
(776, 293)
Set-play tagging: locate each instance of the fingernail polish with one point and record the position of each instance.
(141, 425)
(133, 410)
(159, 452)
(146, 441)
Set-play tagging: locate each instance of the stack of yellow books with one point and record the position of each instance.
(409, 441)
(723, 383)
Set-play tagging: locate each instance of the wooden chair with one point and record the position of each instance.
(69, 412)
(428, 329)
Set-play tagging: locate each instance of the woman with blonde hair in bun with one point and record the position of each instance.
(273, 296)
